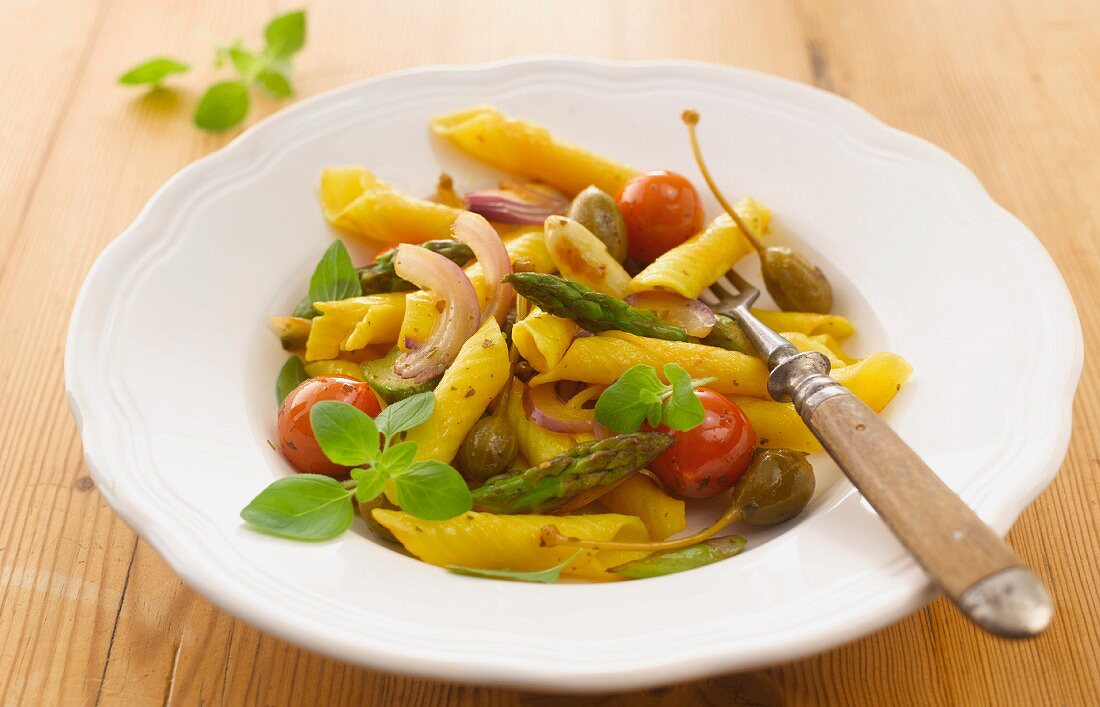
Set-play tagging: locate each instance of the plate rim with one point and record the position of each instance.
(918, 590)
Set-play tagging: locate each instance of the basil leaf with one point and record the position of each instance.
(397, 458)
(305, 309)
(152, 71)
(290, 377)
(223, 106)
(432, 490)
(546, 576)
(627, 402)
(682, 410)
(684, 558)
(347, 435)
(406, 414)
(301, 507)
(245, 62)
(371, 482)
(285, 34)
(335, 277)
(275, 84)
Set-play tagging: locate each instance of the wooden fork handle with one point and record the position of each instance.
(975, 567)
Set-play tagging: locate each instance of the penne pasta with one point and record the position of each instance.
(536, 444)
(692, 266)
(362, 205)
(528, 150)
(807, 323)
(511, 542)
(463, 394)
(606, 356)
(875, 380)
(335, 367)
(351, 324)
(641, 496)
(813, 343)
(543, 338)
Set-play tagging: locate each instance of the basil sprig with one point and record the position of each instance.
(313, 507)
(334, 278)
(290, 377)
(225, 104)
(639, 396)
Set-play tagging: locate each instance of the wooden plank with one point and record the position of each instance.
(91, 615)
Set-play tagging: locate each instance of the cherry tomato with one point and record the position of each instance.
(296, 440)
(662, 210)
(709, 459)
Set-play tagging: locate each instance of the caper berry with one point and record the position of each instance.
(776, 487)
(597, 211)
(489, 449)
(796, 284)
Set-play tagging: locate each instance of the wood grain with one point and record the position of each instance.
(90, 615)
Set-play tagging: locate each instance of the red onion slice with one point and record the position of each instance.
(475, 231)
(439, 276)
(522, 203)
(691, 314)
(543, 407)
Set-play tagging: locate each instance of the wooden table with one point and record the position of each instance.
(89, 614)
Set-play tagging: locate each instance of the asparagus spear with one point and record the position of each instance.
(550, 485)
(380, 277)
(593, 310)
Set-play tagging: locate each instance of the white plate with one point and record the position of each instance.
(170, 368)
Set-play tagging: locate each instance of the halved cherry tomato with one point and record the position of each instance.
(296, 440)
(662, 210)
(709, 459)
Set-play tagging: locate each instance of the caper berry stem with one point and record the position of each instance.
(550, 536)
(691, 119)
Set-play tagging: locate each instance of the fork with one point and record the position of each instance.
(974, 567)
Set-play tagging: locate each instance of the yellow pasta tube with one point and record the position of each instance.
(606, 356)
(466, 389)
(692, 266)
(640, 496)
(813, 343)
(806, 323)
(543, 338)
(528, 150)
(875, 380)
(500, 542)
(360, 204)
(582, 257)
(421, 313)
(335, 367)
(531, 245)
(536, 444)
(350, 324)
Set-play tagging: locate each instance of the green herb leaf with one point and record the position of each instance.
(335, 277)
(347, 435)
(405, 414)
(152, 71)
(682, 410)
(285, 34)
(684, 558)
(301, 507)
(290, 377)
(370, 482)
(247, 64)
(432, 490)
(546, 576)
(397, 458)
(627, 402)
(223, 106)
(275, 84)
(305, 308)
